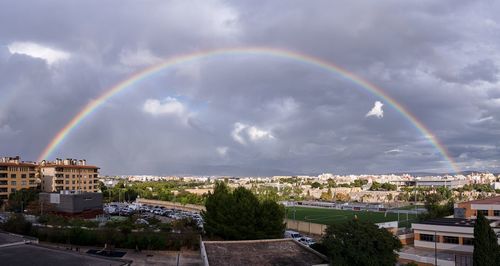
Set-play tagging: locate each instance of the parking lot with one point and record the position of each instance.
(148, 211)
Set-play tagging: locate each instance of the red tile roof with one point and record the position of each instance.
(70, 166)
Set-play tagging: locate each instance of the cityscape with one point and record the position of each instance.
(249, 133)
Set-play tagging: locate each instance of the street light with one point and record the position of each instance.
(435, 249)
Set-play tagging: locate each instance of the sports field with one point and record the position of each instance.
(333, 216)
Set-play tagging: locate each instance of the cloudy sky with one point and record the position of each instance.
(251, 114)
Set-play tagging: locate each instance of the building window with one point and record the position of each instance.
(23, 183)
(13, 183)
(450, 239)
(23, 176)
(496, 213)
(32, 175)
(468, 241)
(484, 212)
(425, 237)
(13, 176)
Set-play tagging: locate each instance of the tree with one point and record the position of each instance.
(331, 183)
(343, 197)
(435, 209)
(375, 186)
(360, 243)
(316, 185)
(359, 182)
(486, 250)
(326, 195)
(240, 215)
(19, 200)
(17, 224)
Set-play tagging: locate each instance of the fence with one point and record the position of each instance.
(318, 229)
(172, 205)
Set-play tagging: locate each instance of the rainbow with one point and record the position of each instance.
(260, 51)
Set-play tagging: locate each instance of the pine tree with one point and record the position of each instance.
(239, 215)
(486, 250)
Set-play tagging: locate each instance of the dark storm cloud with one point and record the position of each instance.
(254, 114)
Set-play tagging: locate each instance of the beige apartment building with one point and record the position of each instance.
(68, 174)
(16, 175)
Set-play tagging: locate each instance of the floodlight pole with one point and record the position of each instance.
(435, 249)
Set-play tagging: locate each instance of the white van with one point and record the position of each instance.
(306, 241)
(292, 234)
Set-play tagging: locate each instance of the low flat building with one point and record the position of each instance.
(74, 202)
(259, 252)
(16, 175)
(451, 234)
(452, 239)
(490, 207)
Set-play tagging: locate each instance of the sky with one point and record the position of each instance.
(251, 114)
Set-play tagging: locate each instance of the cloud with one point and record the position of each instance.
(243, 133)
(376, 110)
(291, 115)
(222, 151)
(168, 106)
(393, 151)
(138, 58)
(48, 54)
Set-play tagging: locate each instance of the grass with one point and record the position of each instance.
(334, 216)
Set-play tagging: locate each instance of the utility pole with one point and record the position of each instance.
(435, 249)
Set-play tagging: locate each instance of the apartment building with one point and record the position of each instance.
(16, 175)
(68, 174)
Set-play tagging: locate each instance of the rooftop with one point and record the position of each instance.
(493, 200)
(15, 251)
(450, 222)
(38, 255)
(28, 164)
(261, 252)
(69, 166)
(9, 239)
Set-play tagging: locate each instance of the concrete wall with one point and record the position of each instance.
(305, 227)
(406, 239)
(443, 246)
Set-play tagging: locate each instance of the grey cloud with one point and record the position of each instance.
(429, 56)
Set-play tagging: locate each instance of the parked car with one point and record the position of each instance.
(292, 234)
(306, 241)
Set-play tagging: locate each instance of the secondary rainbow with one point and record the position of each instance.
(259, 51)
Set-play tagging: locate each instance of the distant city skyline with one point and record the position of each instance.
(253, 113)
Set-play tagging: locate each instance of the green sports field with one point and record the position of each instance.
(333, 216)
